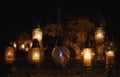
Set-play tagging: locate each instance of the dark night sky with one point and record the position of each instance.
(24, 14)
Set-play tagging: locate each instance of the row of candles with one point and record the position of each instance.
(36, 54)
(87, 56)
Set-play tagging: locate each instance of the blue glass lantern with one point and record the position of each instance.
(61, 55)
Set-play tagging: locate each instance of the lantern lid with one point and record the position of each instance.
(35, 44)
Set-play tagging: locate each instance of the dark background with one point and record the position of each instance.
(18, 16)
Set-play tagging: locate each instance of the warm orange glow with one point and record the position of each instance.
(27, 49)
(23, 46)
(109, 57)
(62, 60)
(100, 49)
(30, 44)
(37, 34)
(36, 56)
(99, 34)
(110, 53)
(87, 56)
(9, 55)
(14, 45)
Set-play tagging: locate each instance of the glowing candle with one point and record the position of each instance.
(99, 34)
(87, 57)
(36, 56)
(23, 46)
(37, 34)
(109, 57)
(14, 45)
(9, 55)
